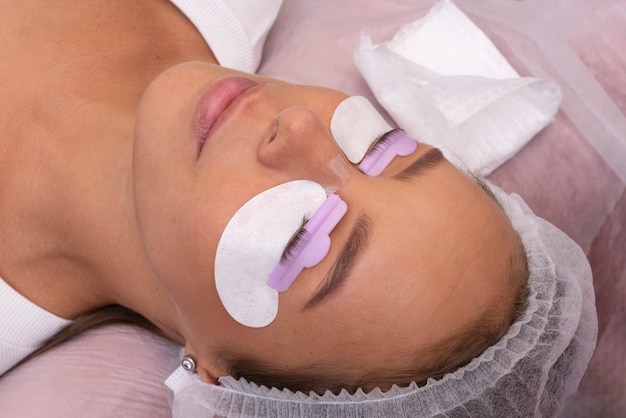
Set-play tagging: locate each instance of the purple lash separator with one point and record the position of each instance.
(401, 145)
(315, 244)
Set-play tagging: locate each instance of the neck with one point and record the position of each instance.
(70, 241)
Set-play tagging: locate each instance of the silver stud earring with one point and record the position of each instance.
(190, 363)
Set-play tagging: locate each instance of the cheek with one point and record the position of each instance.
(182, 254)
(182, 230)
(177, 241)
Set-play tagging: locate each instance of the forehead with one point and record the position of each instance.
(424, 237)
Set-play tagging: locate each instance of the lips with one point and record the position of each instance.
(213, 102)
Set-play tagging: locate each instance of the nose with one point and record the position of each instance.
(301, 144)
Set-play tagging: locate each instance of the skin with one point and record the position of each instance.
(105, 200)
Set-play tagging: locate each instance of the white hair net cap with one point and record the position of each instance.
(529, 372)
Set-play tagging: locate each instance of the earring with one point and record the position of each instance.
(190, 363)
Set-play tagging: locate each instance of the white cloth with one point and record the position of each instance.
(443, 81)
(234, 29)
(24, 326)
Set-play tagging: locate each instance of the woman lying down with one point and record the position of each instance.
(280, 233)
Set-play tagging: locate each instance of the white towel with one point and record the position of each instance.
(444, 82)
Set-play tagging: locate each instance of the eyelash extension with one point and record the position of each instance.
(296, 240)
(383, 142)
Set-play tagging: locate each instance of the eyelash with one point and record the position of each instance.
(381, 144)
(296, 240)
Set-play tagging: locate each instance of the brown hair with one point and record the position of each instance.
(448, 355)
(108, 315)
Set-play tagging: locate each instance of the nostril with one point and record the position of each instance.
(290, 132)
(273, 150)
(273, 131)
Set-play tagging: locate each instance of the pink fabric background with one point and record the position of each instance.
(117, 371)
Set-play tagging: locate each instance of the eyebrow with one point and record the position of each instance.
(425, 161)
(361, 231)
(354, 246)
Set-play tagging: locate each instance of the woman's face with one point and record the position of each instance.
(433, 260)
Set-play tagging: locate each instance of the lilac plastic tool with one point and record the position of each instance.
(314, 246)
(399, 144)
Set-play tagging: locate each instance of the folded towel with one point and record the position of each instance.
(442, 80)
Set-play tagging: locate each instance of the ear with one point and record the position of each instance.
(208, 368)
(206, 376)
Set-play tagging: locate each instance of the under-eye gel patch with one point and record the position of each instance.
(356, 125)
(252, 244)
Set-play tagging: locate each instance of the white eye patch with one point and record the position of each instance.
(356, 125)
(252, 245)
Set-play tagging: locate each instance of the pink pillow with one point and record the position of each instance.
(113, 371)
